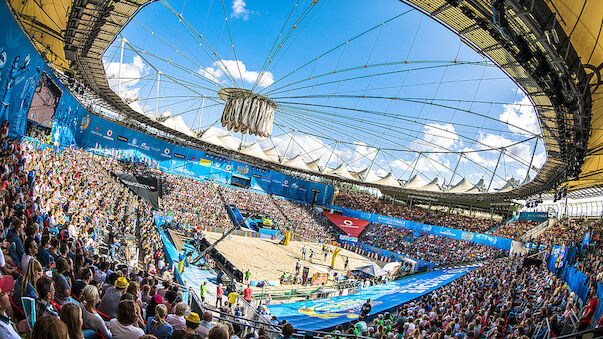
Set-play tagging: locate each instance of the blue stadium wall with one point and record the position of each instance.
(20, 69)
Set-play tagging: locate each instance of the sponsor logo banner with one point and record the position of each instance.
(205, 162)
(178, 155)
(122, 138)
(145, 187)
(498, 242)
(347, 238)
(351, 226)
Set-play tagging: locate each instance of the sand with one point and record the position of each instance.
(267, 260)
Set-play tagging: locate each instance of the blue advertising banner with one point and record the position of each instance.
(385, 253)
(327, 313)
(479, 238)
(586, 239)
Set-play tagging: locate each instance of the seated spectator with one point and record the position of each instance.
(71, 315)
(205, 325)
(112, 296)
(157, 325)
(25, 284)
(190, 332)
(49, 327)
(123, 327)
(177, 319)
(31, 249)
(91, 319)
(218, 331)
(61, 282)
(45, 301)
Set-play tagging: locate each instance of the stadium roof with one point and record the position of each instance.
(377, 151)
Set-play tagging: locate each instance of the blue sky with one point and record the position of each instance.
(403, 94)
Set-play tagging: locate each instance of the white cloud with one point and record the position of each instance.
(237, 70)
(520, 116)
(130, 76)
(239, 11)
(477, 157)
(401, 164)
(444, 136)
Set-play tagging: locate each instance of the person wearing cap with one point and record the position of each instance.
(112, 296)
(190, 332)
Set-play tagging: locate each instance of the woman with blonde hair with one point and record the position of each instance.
(71, 315)
(25, 286)
(91, 319)
(157, 325)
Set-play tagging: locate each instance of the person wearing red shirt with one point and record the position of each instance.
(247, 293)
(590, 310)
(219, 294)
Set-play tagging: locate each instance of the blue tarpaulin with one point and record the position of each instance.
(327, 313)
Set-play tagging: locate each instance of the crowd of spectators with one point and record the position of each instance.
(368, 203)
(195, 203)
(514, 229)
(253, 203)
(304, 222)
(433, 248)
(568, 231)
(501, 299)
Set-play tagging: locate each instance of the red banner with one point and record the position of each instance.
(351, 226)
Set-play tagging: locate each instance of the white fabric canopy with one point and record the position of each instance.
(272, 154)
(297, 162)
(178, 124)
(461, 186)
(415, 182)
(388, 180)
(254, 150)
(342, 172)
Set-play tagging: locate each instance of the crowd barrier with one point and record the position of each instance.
(381, 254)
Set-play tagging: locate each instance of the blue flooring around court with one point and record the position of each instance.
(327, 313)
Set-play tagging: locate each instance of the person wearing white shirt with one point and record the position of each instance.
(31, 249)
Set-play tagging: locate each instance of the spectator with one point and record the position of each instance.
(71, 315)
(205, 325)
(91, 319)
(190, 332)
(61, 282)
(218, 331)
(112, 297)
(123, 327)
(177, 319)
(157, 325)
(49, 327)
(45, 300)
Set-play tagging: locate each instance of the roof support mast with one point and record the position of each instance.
(288, 145)
(531, 160)
(454, 172)
(495, 168)
(330, 155)
(121, 62)
(371, 165)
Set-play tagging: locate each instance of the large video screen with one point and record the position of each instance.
(44, 102)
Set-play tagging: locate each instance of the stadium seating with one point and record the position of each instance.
(99, 225)
(366, 202)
